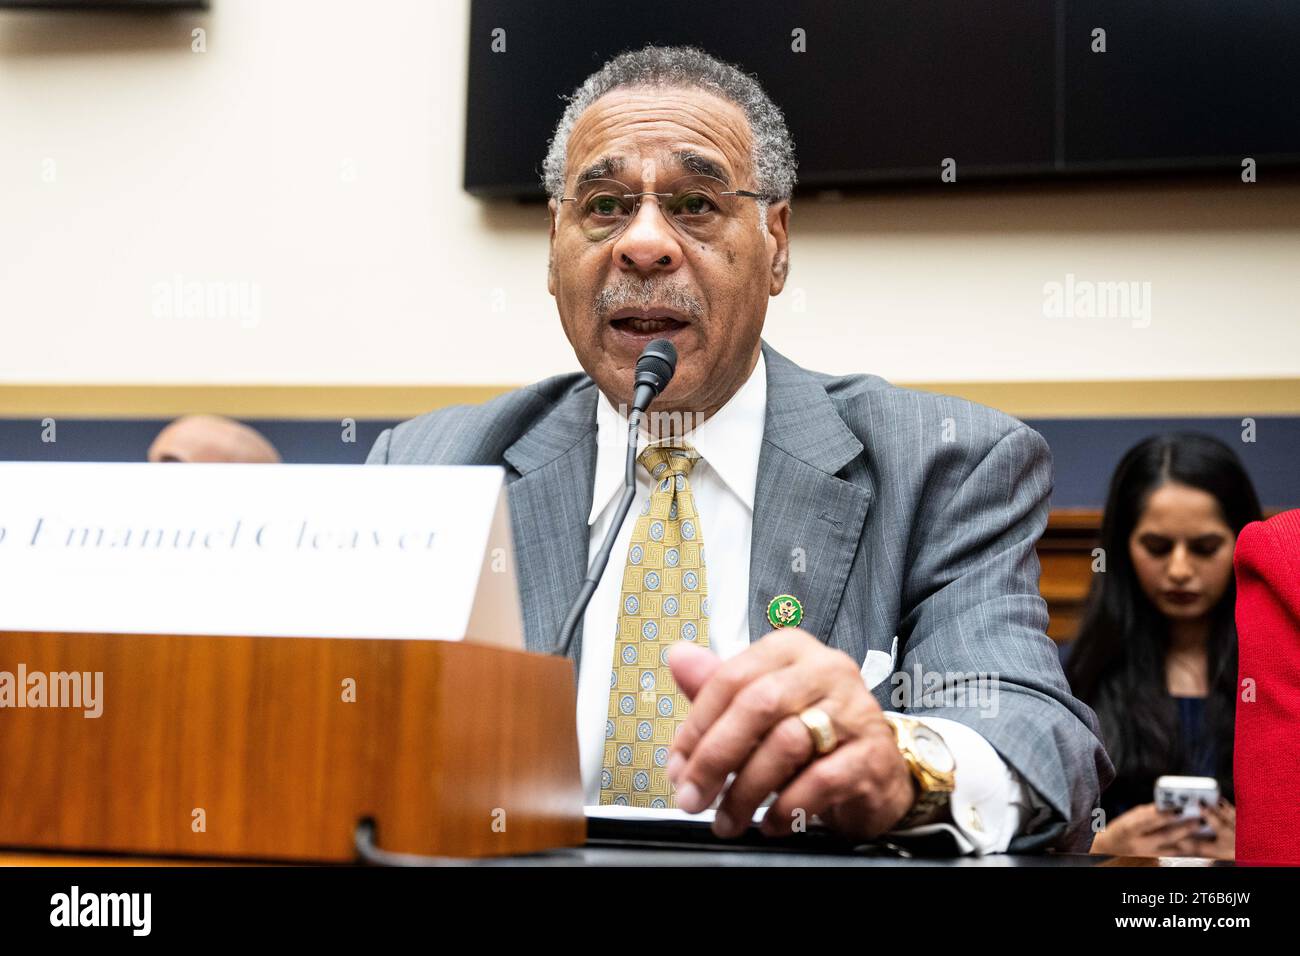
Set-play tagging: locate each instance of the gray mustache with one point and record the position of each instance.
(642, 295)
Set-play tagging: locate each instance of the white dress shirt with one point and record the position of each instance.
(990, 803)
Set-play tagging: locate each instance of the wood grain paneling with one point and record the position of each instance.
(451, 748)
(1065, 552)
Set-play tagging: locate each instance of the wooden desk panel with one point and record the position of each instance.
(1065, 552)
(246, 747)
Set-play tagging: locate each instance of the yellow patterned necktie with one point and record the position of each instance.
(664, 600)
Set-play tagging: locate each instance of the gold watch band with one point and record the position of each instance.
(933, 787)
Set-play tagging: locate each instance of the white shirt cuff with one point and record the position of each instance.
(990, 803)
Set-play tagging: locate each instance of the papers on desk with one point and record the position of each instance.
(647, 814)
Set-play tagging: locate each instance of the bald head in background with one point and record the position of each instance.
(211, 438)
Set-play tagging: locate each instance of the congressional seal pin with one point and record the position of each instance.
(784, 610)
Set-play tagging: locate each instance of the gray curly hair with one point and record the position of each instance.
(685, 66)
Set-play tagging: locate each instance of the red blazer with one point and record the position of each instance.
(1266, 760)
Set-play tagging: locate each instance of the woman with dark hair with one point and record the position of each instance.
(1156, 654)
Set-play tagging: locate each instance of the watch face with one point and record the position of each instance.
(930, 747)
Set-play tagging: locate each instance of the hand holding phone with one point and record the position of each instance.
(1190, 796)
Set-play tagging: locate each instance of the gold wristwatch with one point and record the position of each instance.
(931, 764)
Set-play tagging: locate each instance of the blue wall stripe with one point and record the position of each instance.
(1085, 450)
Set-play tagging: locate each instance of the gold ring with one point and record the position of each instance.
(820, 729)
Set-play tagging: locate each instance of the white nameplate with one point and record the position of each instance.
(273, 550)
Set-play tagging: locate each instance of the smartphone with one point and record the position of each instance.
(1188, 795)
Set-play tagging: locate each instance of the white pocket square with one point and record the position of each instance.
(879, 666)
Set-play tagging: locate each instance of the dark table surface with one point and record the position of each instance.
(614, 843)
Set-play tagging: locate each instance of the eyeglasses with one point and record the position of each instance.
(699, 207)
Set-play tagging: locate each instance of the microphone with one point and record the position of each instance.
(654, 370)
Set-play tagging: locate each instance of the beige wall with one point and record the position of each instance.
(312, 158)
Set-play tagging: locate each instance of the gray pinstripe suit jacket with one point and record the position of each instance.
(917, 516)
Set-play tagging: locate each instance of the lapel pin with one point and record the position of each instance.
(784, 610)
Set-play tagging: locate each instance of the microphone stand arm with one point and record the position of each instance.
(598, 563)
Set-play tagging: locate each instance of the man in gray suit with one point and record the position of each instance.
(862, 641)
